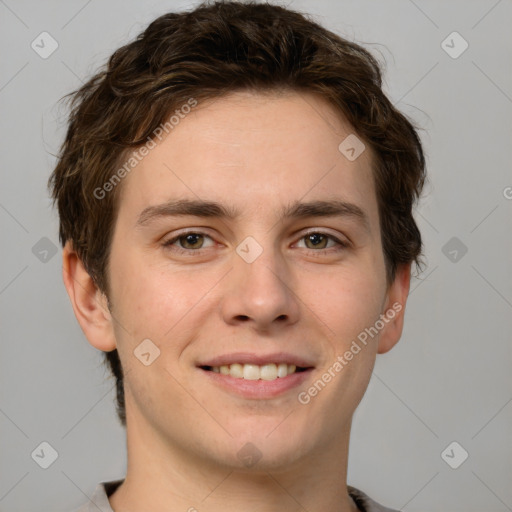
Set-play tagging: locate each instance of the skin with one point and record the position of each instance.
(256, 153)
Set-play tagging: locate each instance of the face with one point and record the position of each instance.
(251, 280)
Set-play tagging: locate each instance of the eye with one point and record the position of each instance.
(316, 240)
(195, 241)
(191, 241)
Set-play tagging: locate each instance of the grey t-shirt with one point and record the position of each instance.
(99, 500)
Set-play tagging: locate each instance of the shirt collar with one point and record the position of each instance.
(99, 500)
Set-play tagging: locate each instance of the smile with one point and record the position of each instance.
(257, 382)
(271, 371)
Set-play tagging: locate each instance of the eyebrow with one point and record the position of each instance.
(296, 210)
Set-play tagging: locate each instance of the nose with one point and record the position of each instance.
(260, 293)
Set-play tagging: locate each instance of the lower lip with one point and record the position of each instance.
(258, 388)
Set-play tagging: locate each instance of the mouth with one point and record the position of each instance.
(257, 377)
(267, 372)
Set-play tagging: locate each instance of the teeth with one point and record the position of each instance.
(251, 372)
(254, 372)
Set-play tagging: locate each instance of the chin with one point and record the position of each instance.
(268, 449)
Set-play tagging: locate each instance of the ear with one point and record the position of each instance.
(89, 303)
(395, 302)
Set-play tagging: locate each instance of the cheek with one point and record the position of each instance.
(348, 302)
(348, 306)
(148, 299)
(159, 303)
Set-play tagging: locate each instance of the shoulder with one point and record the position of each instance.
(98, 502)
(365, 503)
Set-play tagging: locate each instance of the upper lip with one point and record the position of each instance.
(258, 359)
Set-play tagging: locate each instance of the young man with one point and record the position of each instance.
(235, 196)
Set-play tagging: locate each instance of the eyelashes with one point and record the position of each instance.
(192, 238)
(170, 243)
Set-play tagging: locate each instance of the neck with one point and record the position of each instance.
(164, 477)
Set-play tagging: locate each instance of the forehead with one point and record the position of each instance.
(255, 153)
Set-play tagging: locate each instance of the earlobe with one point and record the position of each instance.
(395, 309)
(88, 302)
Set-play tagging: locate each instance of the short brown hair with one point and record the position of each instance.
(206, 53)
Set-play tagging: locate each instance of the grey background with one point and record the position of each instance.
(449, 377)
